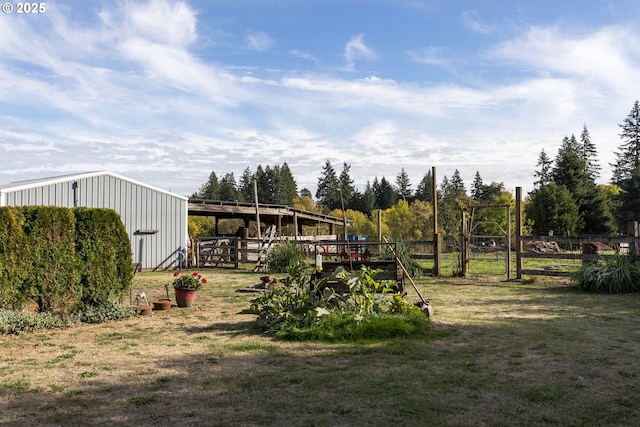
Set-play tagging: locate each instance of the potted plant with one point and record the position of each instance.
(185, 287)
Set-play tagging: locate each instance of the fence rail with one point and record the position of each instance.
(588, 245)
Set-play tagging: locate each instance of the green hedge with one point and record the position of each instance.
(62, 259)
(14, 262)
(104, 252)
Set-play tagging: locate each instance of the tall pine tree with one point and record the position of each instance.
(346, 186)
(288, 189)
(424, 190)
(589, 154)
(626, 169)
(328, 191)
(543, 174)
(403, 185)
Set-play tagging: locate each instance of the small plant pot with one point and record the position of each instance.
(144, 310)
(162, 304)
(185, 297)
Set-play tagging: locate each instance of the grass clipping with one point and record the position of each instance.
(369, 311)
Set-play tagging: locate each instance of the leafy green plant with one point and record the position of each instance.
(106, 311)
(290, 304)
(365, 312)
(614, 275)
(403, 252)
(284, 255)
(15, 321)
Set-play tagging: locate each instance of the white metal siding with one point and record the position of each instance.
(140, 208)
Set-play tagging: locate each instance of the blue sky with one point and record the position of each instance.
(164, 92)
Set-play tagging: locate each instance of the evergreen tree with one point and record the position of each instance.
(456, 184)
(227, 188)
(403, 185)
(245, 186)
(477, 188)
(385, 194)
(305, 192)
(543, 174)
(626, 169)
(596, 211)
(364, 202)
(552, 208)
(570, 169)
(346, 186)
(210, 190)
(288, 189)
(589, 154)
(328, 193)
(263, 185)
(424, 191)
(453, 195)
(628, 158)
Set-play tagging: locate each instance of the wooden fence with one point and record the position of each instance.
(231, 251)
(588, 246)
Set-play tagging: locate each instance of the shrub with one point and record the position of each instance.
(53, 275)
(14, 262)
(104, 255)
(403, 251)
(16, 321)
(106, 311)
(283, 256)
(366, 312)
(615, 274)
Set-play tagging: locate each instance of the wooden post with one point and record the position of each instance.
(632, 231)
(244, 246)
(464, 252)
(255, 198)
(508, 243)
(379, 225)
(519, 247)
(295, 225)
(436, 236)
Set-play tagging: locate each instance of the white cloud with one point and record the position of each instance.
(355, 49)
(259, 41)
(429, 55)
(304, 55)
(132, 94)
(608, 57)
(471, 20)
(161, 21)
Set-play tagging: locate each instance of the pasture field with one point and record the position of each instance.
(531, 353)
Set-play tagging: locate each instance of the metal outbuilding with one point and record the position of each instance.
(155, 219)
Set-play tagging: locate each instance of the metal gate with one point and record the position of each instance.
(486, 245)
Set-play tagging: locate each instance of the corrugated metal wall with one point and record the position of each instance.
(156, 221)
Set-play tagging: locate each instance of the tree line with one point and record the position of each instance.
(565, 198)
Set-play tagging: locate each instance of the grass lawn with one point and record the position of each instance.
(497, 354)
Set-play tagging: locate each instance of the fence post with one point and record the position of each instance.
(519, 248)
(632, 231)
(464, 253)
(436, 255)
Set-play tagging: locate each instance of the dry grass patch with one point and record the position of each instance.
(499, 353)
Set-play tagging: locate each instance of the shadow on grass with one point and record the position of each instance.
(510, 370)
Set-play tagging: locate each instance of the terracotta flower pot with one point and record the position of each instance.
(185, 297)
(162, 304)
(144, 310)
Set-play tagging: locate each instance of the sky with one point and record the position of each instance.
(164, 92)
